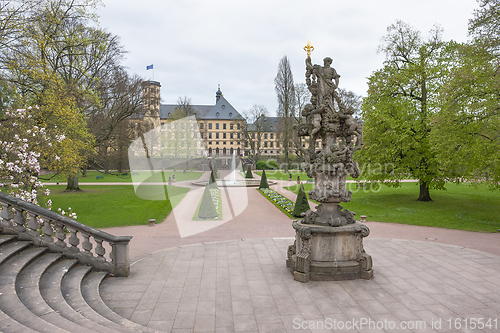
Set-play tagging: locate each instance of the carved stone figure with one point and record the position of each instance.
(328, 119)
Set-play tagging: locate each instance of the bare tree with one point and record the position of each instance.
(120, 97)
(350, 99)
(253, 129)
(180, 140)
(285, 91)
(303, 96)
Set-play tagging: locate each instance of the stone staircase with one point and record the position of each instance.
(42, 291)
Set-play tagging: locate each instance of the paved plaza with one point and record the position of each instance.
(244, 286)
(232, 278)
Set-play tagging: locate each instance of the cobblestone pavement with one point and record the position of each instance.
(244, 286)
(232, 278)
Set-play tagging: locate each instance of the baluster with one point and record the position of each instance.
(100, 250)
(73, 241)
(19, 220)
(112, 258)
(86, 245)
(6, 215)
(60, 235)
(47, 231)
(33, 226)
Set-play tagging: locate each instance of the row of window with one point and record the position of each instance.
(224, 126)
(223, 142)
(271, 136)
(267, 144)
(224, 135)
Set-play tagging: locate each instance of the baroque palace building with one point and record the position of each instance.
(220, 126)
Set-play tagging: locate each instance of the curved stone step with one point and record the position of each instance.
(6, 238)
(9, 248)
(9, 325)
(90, 292)
(28, 290)
(71, 290)
(10, 303)
(51, 291)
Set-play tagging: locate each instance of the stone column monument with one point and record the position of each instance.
(329, 241)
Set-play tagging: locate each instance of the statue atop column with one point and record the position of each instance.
(329, 241)
(328, 119)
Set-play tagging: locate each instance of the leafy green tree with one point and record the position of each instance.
(56, 55)
(467, 130)
(398, 111)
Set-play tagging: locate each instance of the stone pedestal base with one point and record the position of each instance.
(324, 253)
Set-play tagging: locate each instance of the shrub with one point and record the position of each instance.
(266, 165)
(207, 207)
(301, 204)
(212, 181)
(261, 165)
(272, 165)
(263, 180)
(249, 172)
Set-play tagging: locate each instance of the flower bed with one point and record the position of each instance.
(283, 203)
(215, 193)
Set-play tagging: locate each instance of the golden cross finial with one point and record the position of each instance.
(308, 48)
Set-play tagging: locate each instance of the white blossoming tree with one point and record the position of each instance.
(23, 146)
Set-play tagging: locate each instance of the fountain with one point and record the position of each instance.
(329, 241)
(233, 167)
(230, 180)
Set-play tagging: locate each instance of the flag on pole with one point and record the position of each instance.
(149, 67)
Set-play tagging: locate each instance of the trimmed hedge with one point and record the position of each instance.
(207, 207)
(249, 172)
(301, 203)
(263, 180)
(266, 165)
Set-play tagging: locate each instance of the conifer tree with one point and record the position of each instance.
(207, 207)
(301, 203)
(212, 179)
(214, 170)
(249, 172)
(263, 180)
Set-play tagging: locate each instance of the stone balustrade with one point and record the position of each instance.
(62, 234)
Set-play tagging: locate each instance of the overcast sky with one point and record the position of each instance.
(195, 45)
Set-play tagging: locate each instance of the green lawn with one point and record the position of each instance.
(138, 176)
(116, 205)
(282, 175)
(459, 207)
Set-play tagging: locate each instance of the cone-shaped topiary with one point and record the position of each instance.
(215, 171)
(212, 180)
(249, 172)
(263, 180)
(207, 207)
(301, 204)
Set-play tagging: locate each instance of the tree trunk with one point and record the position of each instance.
(84, 170)
(424, 192)
(73, 183)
